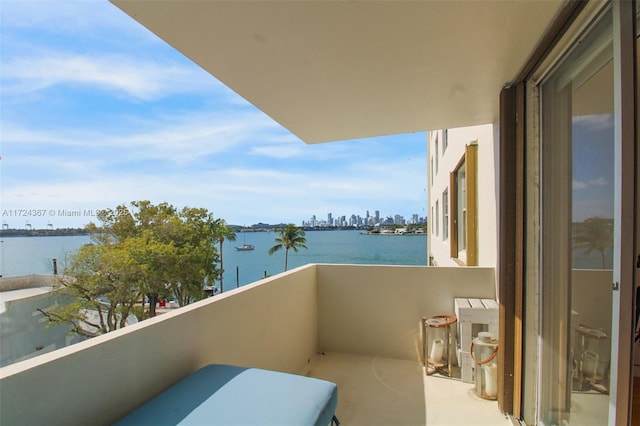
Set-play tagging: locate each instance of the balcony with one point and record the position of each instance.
(354, 325)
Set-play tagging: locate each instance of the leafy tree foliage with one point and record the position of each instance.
(96, 284)
(291, 237)
(140, 250)
(594, 233)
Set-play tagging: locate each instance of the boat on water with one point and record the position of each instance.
(396, 232)
(245, 247)
(210, 290)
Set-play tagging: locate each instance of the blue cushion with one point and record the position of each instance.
(229, 395)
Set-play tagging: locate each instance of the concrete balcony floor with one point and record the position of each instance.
(383, 391)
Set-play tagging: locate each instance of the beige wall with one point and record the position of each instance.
(28, 281)
(278, 323)
(375, 310)
(591, 298)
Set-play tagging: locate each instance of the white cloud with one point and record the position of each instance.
(178, 138)
(240, 195)
(13, 133)
(140, 79)
(281, 151)
(601, 181)
(595, 121)
(169, 131)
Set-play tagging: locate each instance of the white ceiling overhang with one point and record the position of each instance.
(336, 70)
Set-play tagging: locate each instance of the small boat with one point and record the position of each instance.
(245, 247)
(211, 290)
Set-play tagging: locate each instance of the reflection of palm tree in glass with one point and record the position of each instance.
(595, 233)
(291, 237)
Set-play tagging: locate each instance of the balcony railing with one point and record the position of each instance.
(279, 323)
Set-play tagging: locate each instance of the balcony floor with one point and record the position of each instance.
(382, 391)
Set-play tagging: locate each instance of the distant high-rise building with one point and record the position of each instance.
(398, 220)
(329, 219)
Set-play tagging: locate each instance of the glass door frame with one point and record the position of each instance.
(624, 253)
(625, 189)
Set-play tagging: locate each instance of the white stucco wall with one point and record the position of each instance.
(24, 331)
(486, 136)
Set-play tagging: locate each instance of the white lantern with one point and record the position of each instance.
(484, 351)
(587, 359)
(436, 343)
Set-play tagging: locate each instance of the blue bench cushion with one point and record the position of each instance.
(229, 395)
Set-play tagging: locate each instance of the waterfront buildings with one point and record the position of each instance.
(357, 221)
(536, 70)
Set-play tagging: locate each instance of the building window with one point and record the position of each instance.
(431, 171)
(437, 218)
(431, 221)
(436, 153)
(445, 140)
(445, 214)
(463, 208)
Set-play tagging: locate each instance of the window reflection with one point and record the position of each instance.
(577, 232)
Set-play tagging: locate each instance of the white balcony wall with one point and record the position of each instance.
(24, 332)
(375, 310)
(270, 324)
(591, 301)
(277, 323)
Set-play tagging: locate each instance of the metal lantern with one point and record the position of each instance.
(587, 358)
(484, 350)
(436, 343)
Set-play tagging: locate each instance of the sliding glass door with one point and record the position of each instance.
(578, 220)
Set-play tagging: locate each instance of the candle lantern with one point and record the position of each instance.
(436, 343)
(588, 358)
(484, 350)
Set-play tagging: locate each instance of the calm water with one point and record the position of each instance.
(34, 255)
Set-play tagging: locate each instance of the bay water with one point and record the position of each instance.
(34, 255)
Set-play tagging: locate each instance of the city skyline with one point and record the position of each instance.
(368, 220)
(39, 219)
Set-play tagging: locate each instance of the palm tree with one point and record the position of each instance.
(595, 233)
(220, 232)
(291, 237)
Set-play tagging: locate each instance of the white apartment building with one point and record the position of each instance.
(463, 195)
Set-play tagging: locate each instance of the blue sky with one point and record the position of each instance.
(593, 164)
(97, 111)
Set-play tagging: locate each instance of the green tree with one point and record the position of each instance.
(197, 255)
(146, 229)
(98, 285)
(291, 237)
(140, 250)
(221, 231)
(595, 233)
(155, 262)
